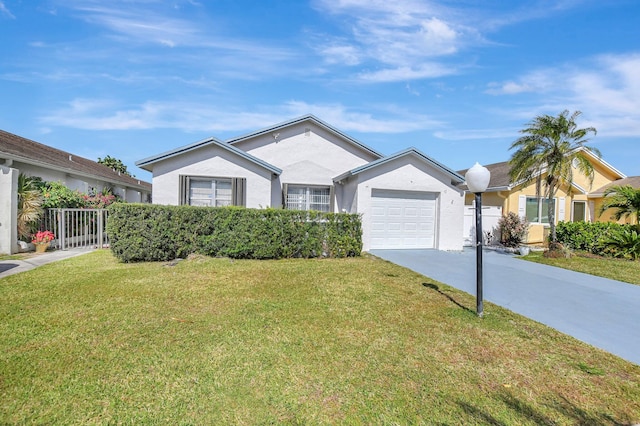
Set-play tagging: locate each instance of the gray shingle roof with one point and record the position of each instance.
(633, 181)
(499, 175)
(27, 151)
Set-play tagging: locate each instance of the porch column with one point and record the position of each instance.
(8, 210)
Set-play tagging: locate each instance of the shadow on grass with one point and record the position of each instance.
(436, 288)
(523, 411)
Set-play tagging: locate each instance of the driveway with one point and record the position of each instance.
(602, 312)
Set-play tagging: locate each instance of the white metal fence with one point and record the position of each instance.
(76, 228)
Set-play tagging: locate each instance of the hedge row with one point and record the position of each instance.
(144, 232)
(587, 236)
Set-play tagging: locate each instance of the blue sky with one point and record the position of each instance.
(456, 79)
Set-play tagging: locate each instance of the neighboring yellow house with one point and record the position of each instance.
(580, 204)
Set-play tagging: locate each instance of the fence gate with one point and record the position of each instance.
(77, 228)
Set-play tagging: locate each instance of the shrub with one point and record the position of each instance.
(56, 195)
(624, 243)
(513, 230)
(99, 201)
(143, 232)
(586, 236)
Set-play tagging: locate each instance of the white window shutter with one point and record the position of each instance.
(561, 210)
(522, 206)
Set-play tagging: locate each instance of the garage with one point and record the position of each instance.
(402, 219)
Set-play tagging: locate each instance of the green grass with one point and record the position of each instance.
(616, 269)
(336, 341)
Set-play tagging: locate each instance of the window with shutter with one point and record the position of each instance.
(536, 209)
(212, 191)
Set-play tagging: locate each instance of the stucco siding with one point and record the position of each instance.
(82, 184)
(306, 153)
(409, 174)
(211, 161)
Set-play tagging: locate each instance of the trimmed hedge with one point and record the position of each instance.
(145, 232)
(587, 236)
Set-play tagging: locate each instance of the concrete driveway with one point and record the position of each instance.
(602, 312)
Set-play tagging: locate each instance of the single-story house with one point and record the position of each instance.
(21, 155)
(406, 200)
(582, 203)
(76, 173)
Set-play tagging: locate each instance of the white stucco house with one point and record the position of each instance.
(31, 158)
(406, 200)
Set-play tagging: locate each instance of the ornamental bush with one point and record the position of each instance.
(56, 195)
(144, 232)
(586, 236)
(513, 230)
(624, 244)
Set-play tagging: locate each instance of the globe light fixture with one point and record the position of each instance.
(477, 180)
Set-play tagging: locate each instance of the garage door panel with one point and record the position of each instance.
(403, 219)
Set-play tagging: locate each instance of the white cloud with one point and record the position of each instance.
(5, 11)
(474, 134)
(138, 24)
(426, 70)
(537, 81)
(340, 54)
(398, 121)
(101, 114)
(398, 34)
(605, 88)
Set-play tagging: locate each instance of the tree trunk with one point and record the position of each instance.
(551, 212)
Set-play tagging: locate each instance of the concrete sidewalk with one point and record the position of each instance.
(598, 311)
(11, 267)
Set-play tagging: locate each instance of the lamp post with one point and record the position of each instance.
(477, 178)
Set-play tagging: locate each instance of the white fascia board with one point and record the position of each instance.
(205, 142)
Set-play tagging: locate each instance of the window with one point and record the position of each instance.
(212, 191)
(537, 210)
(299, 197)
(579, 213)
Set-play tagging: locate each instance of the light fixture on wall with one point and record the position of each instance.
(477, 179)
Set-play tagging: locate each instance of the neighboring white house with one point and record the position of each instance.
(53, 165)
(21, 155)
(406, 200)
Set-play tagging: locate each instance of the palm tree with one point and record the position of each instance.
(625, 199)
(29, 205)
(546, 153)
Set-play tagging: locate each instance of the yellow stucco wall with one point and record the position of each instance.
(509, 200)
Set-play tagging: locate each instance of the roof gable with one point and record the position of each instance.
(148, 162)
(311, 119)
(27, 151)
(455, 177)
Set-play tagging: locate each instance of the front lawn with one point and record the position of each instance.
(616, 269)
(357, 341)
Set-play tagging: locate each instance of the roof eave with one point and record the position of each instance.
(73, 172)
(456, 178)
(145, 163)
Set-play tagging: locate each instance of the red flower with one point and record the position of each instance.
(42, 237)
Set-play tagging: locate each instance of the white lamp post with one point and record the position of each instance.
(477, 179)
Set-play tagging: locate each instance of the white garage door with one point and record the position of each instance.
(402, 219)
